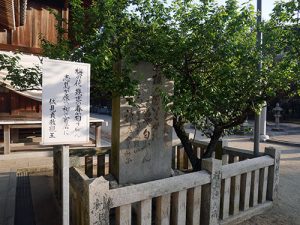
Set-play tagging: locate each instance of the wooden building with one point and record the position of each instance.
(15, 104)
(23, 22)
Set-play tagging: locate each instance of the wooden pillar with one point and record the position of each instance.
(65, 184)
(211, 192)
(273, 175)
(6, 134)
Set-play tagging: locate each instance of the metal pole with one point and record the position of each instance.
(65, 184)
(257, 116)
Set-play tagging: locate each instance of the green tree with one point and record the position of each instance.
(208, 50)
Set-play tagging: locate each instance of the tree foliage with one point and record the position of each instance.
(210, 52)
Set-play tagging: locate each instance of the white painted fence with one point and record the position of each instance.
(219, 194)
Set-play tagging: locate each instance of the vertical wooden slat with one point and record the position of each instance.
(180, 160)
(254, 188)
(163, 210)
(174, 153)
(100, 165)
(193, 206)
(245, 191)
(225, 159)
(88, 166)
(144, 212)
(235, 191)
(185, 159)
(123, 215)
(225, 192)
(263, 181)
(178, 212)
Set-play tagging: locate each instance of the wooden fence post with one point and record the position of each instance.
(100, 165)
(57, 172)
(99, 202)
(88, 166)
(273, 177)
(210, 208)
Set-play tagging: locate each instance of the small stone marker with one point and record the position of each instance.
(142, 134)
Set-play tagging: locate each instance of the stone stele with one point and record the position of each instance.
(142, 134)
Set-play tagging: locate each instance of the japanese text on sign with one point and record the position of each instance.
(65, 102)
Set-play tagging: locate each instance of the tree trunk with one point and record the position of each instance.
(178, 125)
(213, 142)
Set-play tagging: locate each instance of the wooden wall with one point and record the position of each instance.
(13, 105)
(39, 21)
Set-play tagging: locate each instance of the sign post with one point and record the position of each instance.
(65, 113)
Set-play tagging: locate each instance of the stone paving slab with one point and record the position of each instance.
(7, 198)
(24, 214)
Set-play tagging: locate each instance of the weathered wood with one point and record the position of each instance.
(249, 165)
(123, 215)
(185, 160)
(88, 166)
(273, 177)
(180, 157)
(152, 189)
(6, 134)
(239, 152)
(219, 151)
(100, 165)
(178, 212)
(263, 182)
(144, 212)
(211, 192)
(225, 192)
(234, 190)
(225, 159)
(245, 191)
(163, 210)
(193, 209)
(254, 188)
(174, 156)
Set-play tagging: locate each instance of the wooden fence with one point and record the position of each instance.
(219, 194)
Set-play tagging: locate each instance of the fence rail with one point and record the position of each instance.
(219, 194)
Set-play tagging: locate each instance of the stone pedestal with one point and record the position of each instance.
(142, 134)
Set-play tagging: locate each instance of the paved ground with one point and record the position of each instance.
(285, 212)
(24, 213)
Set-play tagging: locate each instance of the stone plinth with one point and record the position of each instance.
(142, 134)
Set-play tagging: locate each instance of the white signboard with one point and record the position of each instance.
(66, 102)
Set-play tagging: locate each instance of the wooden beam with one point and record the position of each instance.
(30, 50)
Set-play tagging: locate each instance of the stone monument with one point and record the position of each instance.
(142, 132)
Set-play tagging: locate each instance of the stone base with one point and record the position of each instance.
(264, 137)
